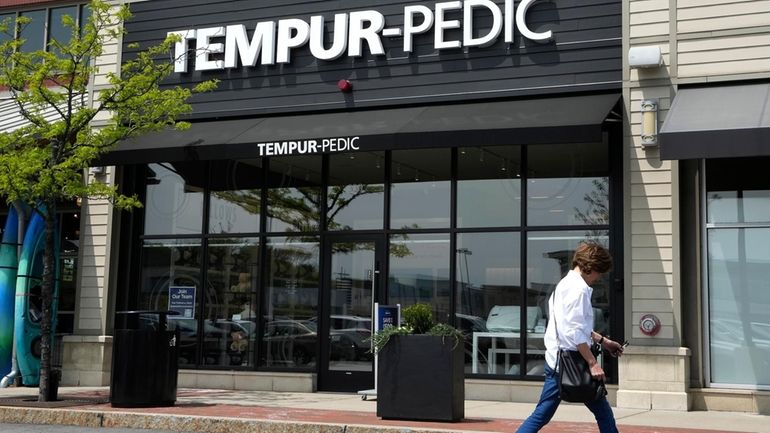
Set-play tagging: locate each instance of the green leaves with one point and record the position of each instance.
(44, 161)
(418, 319)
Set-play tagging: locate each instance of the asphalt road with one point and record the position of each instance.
(32, 428)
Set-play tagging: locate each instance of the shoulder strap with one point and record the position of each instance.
(553, 313)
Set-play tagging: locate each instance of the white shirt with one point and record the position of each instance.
(570, 306)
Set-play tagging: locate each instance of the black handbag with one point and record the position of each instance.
(576, 385)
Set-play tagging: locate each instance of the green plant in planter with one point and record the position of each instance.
(418, 319)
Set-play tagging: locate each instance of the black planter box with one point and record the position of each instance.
(421, 377)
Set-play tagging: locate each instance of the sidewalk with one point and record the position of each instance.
(224, 411)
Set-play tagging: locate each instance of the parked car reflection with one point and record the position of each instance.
(222, 341)
(349, 337)
(290, 342)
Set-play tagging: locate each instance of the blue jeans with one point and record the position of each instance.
(549, 401)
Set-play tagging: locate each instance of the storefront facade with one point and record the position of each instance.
(292, 205)
(698, 200)
(472, 153)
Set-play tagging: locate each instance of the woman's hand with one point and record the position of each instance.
(597, 372)
(613, 347)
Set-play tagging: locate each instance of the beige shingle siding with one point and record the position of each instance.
(648, 18)
(701, 41)
(93, 260)
(723, 38)
(650, 235)
(95, 249)
(697, 16)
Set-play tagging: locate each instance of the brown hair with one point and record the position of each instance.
(590, 256)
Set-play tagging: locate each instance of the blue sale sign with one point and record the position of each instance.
(387, 315)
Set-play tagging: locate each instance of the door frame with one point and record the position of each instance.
(340, 381)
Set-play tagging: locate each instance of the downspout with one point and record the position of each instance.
(11, 377)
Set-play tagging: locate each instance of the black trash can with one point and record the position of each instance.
(145, 358)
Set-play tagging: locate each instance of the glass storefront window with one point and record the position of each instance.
(33, 32)
(294, 194)
(291, 303)
(174, 201)
(56, 29)
(738, 252)
(8, 20)
(419, 272)
(236, 196)
(171, 265)
(568, 185)
(743, 196)
(69, 223)
(233, 275)
(489, 186)
(263, 311)
(549, 259)
(739, 305)
(356, 191)
(488, 279)
(420, 189)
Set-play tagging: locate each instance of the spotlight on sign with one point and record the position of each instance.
(345, 85)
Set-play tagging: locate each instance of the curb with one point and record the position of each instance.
(186, 423)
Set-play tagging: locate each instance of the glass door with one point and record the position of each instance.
(352, 277)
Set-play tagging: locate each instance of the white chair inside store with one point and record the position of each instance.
(507, 318)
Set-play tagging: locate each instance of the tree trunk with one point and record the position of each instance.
(47, 294)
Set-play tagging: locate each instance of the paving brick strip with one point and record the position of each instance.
(221, 418)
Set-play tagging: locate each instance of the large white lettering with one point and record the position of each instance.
(340, 43)
(497, 23)
(206, 48)
(371, 33)
(410, 29)
(521, 23)
(180, 49)
(272, 42)
(443, 24)
(238, 44)
(292, 33)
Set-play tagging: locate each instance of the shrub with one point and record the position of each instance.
(418, 319)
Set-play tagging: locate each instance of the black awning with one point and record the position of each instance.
(717, 122)
(532, 121)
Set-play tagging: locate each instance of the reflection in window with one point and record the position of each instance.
(33, 33)
(736, 198)
(294, 194)
(419, 272)
(167, 264)
(69, 223)
(420, 189)
(57, 30)
(738, 253)
(489, 186)
(174, 203)
(236, 200)
(356, 191)
(233, 272)
(572, 189)
(488, 279)
(549, 259)
(739, 305)
(9, 21)
(291, 303)
(351, 288)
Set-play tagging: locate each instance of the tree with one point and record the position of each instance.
(44, 162)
